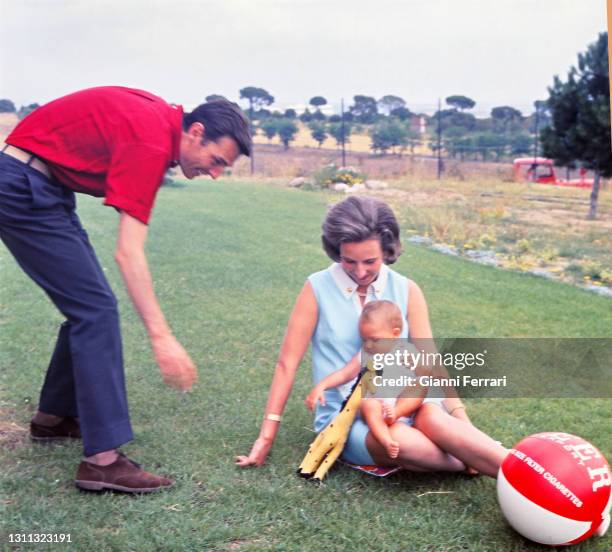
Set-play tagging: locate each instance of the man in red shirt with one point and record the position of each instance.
(115, 143)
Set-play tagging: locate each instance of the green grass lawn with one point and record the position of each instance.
(228, 259)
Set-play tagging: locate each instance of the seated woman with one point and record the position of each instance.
(361, 236)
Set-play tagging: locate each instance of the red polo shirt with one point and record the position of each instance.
(110, 142)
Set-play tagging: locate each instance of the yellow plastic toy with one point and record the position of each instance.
(328, 445)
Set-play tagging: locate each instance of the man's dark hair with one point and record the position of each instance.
(222, 118)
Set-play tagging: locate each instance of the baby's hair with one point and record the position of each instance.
(385, 311)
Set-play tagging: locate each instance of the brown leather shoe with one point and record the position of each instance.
(68, 428)
(122, 475)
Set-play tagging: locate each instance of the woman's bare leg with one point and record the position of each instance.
(417, 452)
(461, 439)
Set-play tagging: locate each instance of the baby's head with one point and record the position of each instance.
(379, 325)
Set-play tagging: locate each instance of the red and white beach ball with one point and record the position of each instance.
(554, 488)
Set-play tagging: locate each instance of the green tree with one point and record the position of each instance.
(580, 111)
(269, 128)
(521, 143)
(453, 137)
(460, 102)
(541, 114)
(290, 113)
(389, 134)
(401, 113)
(262, 114)
(257, 97)
(445, 116)
(389, 102)
(25, 110)
(7, 106)
(317, 101)
(306, 117)
(489, 144)
(214, 97)
(318, 131)
(414, 139)
(460, 145)
(287, 130)
(341, 132)
(318, 116)
(467, 121)
(364, 110)
(505, 117)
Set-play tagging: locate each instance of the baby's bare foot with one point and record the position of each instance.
(389, 414)
(392, 448)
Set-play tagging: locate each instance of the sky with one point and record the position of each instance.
(498, 52)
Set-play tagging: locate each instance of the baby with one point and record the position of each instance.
(380, 326)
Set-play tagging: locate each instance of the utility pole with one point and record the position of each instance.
(439, 140)
(535, 143)
(252, 135)
(342, 130)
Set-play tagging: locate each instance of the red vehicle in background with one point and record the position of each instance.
(542, 171)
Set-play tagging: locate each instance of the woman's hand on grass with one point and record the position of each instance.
(175, 365)
(258, 454)
(317, 394)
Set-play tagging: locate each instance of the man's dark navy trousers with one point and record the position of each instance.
(85, 378)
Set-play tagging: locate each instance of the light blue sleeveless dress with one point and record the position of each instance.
(336, 340)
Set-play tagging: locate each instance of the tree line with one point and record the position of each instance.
(392, 126)
(572, 126)
(7, 106)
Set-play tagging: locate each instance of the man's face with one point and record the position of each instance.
(208, 158)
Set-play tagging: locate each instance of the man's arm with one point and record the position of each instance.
(176, 367)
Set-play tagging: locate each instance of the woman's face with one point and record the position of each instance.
(362, 260)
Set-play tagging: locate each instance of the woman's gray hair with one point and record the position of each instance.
(361, 218)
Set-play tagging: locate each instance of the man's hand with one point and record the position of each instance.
(257, 456)
(316, 395)
(176, 367)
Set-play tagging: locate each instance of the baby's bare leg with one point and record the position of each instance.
(407, 406)
(372, 411)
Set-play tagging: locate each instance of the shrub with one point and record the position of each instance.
(523, 246)
(331, 174)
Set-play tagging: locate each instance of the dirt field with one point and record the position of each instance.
(359, 142)
(274, 161)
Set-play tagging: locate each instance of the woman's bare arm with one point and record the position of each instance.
(300, 329)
